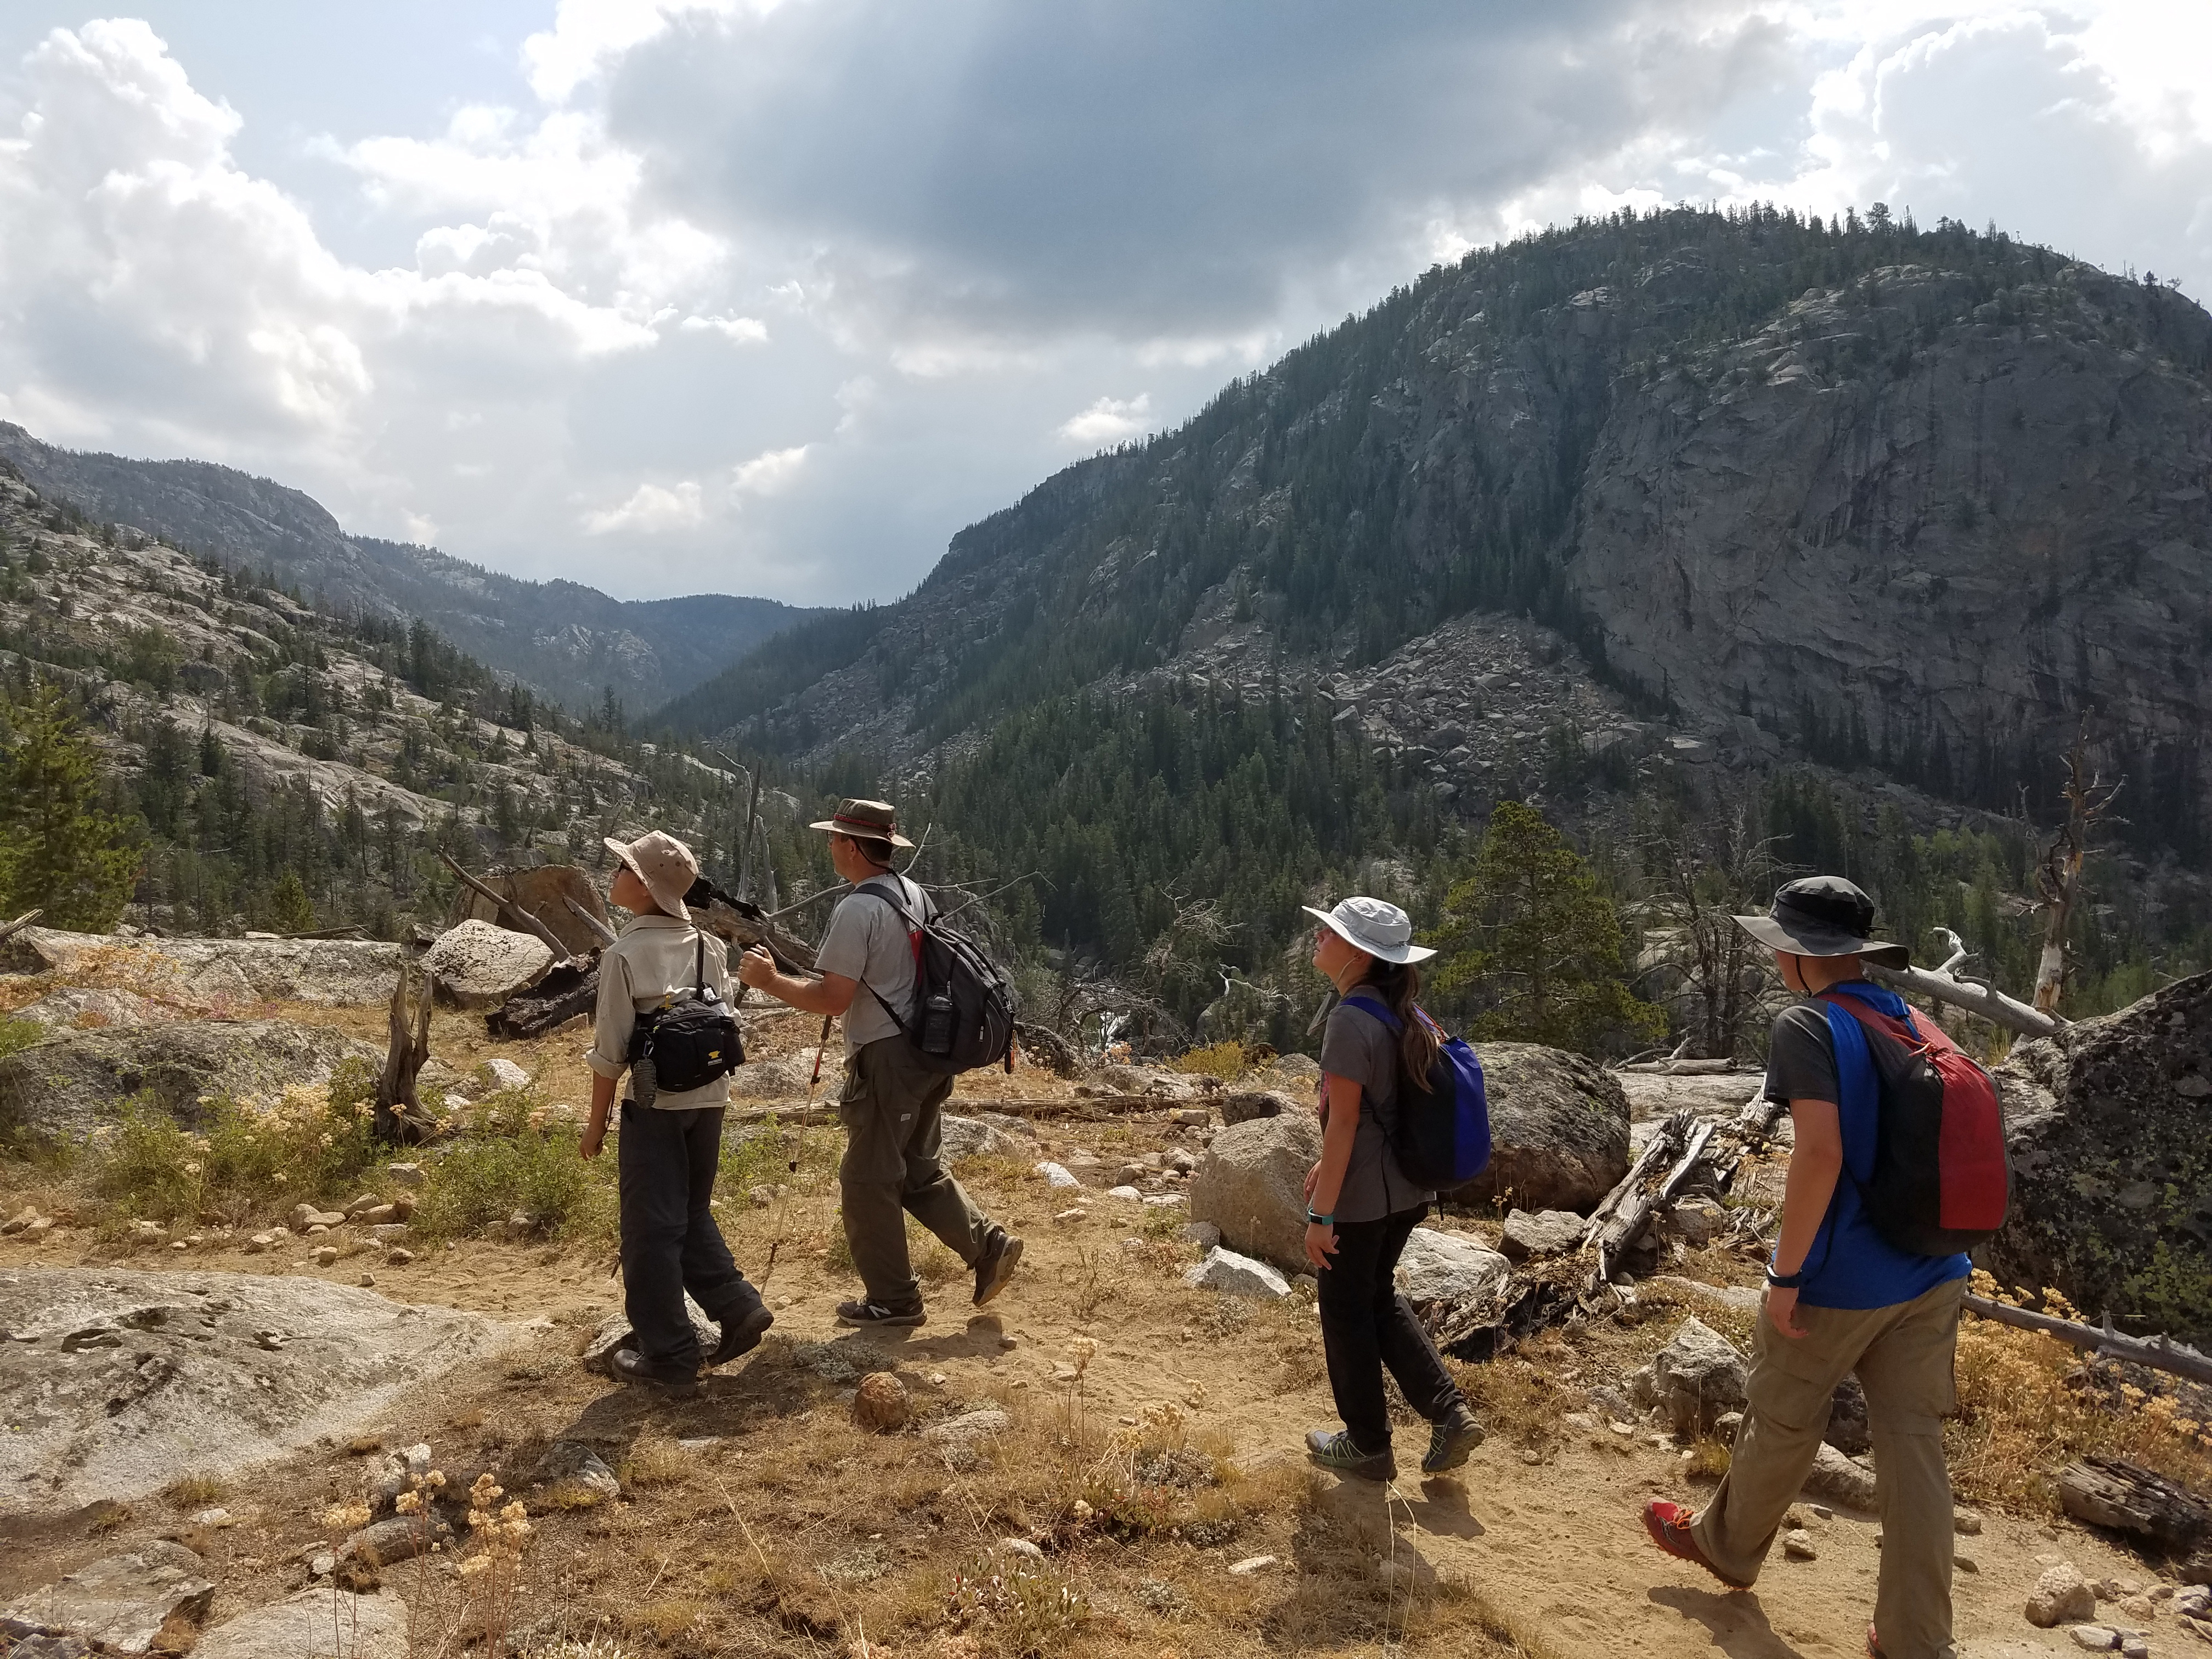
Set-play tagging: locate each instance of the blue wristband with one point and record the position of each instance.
(1320, 1220)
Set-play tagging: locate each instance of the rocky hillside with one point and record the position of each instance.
(260, 739)
(1860, 493)
(563, 640)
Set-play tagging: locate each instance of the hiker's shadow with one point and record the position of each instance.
(1442, 1508)
(1736, 1620)
(983, 1339)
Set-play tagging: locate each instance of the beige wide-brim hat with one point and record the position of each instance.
(871, 820)
(1375, 925)
(664, 863)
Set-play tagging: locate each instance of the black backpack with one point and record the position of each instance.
(963, 1011)
(688, 1044)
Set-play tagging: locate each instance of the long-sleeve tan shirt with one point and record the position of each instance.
(651, 964)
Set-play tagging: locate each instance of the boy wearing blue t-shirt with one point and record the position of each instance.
(1839, 1298)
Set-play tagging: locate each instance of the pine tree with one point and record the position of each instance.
(59, 853)
(293, 910)
(1531, 933)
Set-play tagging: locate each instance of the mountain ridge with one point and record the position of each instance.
(554, 636)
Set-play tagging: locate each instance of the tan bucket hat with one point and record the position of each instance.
(664, 863)
(871, 820)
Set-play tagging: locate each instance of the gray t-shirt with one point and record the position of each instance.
(867, 941)
(1360, 1049)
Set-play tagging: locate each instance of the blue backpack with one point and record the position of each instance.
(1443, 1138)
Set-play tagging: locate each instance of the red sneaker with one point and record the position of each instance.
(1669, 1524)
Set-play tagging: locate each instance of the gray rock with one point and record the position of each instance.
(202, 974)
(1558, 1129)
(970, 1137)
(1696, 1376)
(48, 1647)
(1842, 1481)
(1243, 1106)
(1204, 1234)
(121, 1603)
(2061, 1596)
(572, 1464)
(2110, 1159)
(504, 1073)
(315, 1623)
(1226, 1271)
(1057, 1175)
(197, 1372)
(99, 1006)
(2094, 1638)
(1546, 1232)
(479, 965)
(1699, 1220)
(1848, 1431)
(400, 1538)
(982, 1424)
(70, 1083)
(1439, 1270)
(1251, 1184)
(400, 1470)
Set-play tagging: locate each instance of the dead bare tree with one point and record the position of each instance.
(2059, 877)
(1713, 971)
(399, 1115)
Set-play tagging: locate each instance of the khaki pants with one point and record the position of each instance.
(1903, 1355)
(893, 1110)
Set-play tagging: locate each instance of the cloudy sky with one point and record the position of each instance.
(669, 296)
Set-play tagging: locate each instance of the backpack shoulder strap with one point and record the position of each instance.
(1367, 1002)
(890, 889)
(1908, 1031)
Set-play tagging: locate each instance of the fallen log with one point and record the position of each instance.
(1679, 1067)
(2159, 1352)
(2123, 1497)
(569, 989)
(1975, 997)
(1672, 1134)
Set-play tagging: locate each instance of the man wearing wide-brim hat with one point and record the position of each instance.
(893, 1106)
(1839, 1297)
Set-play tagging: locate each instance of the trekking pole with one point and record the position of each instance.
(806, 1112)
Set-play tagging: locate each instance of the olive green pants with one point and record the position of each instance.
(893, 1110)
(1903, 1355)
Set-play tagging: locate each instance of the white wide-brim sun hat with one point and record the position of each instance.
(1372, 925)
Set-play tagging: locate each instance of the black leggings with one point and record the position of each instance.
(1365, 1324)
(666, 1161)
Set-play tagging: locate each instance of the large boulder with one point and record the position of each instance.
(1442, 1271)
(2111, 1166)
(117, 1381)
(1558, 1129)
(151, 1599)
(314, 1624)
(480, 966)
(66, 1084)
(220, 975)
(1251, 1184)
(973, 1137)
(546, 893)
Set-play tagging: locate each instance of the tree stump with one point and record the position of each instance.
(400, 1119)
(2105, 1491)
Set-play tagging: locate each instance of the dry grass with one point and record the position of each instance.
(193, 1492)
(2021, 1415)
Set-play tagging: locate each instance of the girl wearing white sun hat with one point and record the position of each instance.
(1361, 1205)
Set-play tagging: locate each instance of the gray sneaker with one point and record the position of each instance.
(1453, 1441)
(996, 1265)
(1336, 1452)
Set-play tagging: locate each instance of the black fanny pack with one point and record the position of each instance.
(686, 1045)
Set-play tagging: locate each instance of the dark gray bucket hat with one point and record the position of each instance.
(1823, 917)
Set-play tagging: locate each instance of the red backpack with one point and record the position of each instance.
(1943, 1174)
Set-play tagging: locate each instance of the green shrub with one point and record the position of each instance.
(244, 1157)
(482, 1180)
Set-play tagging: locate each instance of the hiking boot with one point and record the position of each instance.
(865, 1314)
(741, 1335)
(996, 1265)
(1336, 1452)
(1453, 1441)
(1670, 1527)
(630, 1365)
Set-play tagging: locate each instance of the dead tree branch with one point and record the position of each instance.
(508, 908)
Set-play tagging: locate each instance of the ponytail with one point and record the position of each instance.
(1398, 984)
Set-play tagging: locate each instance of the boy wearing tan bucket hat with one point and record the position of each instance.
(1840, 1298)
(892, 1106)
(670, 1145)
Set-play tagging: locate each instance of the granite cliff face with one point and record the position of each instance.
(564, 640)
(1748, 488)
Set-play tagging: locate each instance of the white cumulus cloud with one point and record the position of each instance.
(771, 472)
(1108, 420)
(653, 510)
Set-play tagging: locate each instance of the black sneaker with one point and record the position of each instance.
(1336, 1452)
(997, 1265)
(865, 1314)
(741, 1335)
(1453, 1441)
(630, 1365)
